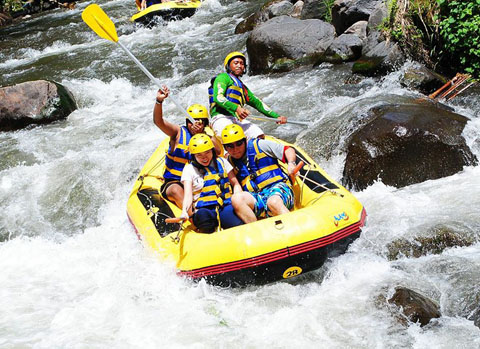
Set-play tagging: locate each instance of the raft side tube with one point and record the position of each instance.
(276, 265)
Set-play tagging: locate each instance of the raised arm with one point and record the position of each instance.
(168, 128)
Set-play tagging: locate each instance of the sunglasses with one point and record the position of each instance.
(234, 144)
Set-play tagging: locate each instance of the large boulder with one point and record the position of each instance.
(34, 102)
(345, 48)
(378, 15)
(378, 56)
(284, 43)
(297, 9)
(347, 12)
(359, 29)
(433, 241)
(420, 78)
(314, 9)
(271, 9)
(403, 144)
(414, 306)
(348, 46)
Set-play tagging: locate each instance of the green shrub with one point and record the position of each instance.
(408, 24)
(459, 23)
(12, 5)
(328, 5)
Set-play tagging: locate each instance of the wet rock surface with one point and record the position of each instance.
(284, 43)
(347, 12)
(34, 102)
(314, 9)
(435, 242)
(381, 58)
(406, 144)
(420, 78)
(269, 10)
(346, 47)
(414, 306)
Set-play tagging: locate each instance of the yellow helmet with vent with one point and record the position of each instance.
(197, 111)
(200, 143)
(232, 133)
(231, 56)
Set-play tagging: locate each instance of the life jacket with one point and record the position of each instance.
(175, 161)
(260, 171)
(236, 93)
(216, 189)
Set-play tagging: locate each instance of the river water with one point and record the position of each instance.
(72, 272)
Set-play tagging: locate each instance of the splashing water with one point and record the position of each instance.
(75, 275)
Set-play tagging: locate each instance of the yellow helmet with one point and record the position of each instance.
(200, 143)
(197, 111)
(232, 133)
(231, 56)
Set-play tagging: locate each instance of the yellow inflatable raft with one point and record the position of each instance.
(170, 10)
(325, 220)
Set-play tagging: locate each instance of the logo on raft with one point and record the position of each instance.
(339, 217)
(291, 272)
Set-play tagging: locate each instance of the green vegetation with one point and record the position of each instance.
(328, 6)
(442, 34)
(411, 24)
(11, 5)
(459, 23)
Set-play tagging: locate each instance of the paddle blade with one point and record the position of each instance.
(99, 22)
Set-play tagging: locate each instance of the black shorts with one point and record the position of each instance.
(166, 184)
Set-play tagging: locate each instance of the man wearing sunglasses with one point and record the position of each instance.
(228, 96)
(178, 155)
(267, 189)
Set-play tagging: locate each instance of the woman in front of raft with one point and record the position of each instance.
(207, 183)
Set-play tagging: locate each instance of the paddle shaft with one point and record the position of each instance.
(145, 70)
(275, 120)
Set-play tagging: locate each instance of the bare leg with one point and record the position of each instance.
(174, 193)
(276, 206)
(243, 203)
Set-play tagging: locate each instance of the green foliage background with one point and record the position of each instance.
(444, 34)
(459, 24)
(11, 5)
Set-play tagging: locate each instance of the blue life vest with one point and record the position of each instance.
(236, 93)
(260, 171)
(216, 189)
(175, 161)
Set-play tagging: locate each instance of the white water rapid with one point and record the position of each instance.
(72, 271)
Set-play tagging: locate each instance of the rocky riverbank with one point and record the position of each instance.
(14, 11)
(377, 36)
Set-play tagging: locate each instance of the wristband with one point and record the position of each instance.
(157, 102)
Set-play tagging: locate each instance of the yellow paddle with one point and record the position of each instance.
(101, 24)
